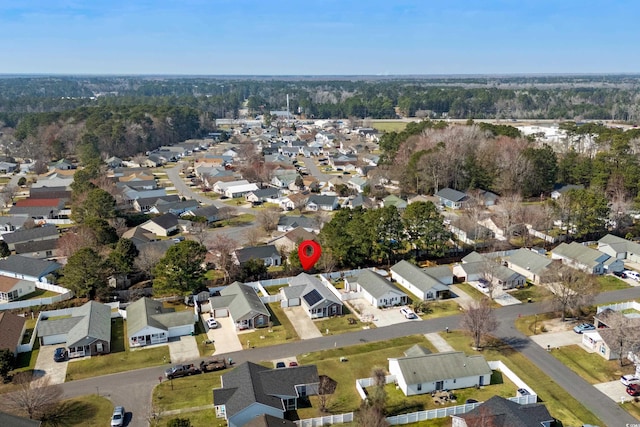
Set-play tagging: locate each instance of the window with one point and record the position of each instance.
(419, 387)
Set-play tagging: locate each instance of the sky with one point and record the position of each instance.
(319, 37)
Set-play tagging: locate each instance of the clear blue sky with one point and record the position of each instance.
(319, 37)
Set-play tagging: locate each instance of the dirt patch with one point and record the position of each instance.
(557, 325)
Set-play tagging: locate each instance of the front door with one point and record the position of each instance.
(439, 385)
(481, 380)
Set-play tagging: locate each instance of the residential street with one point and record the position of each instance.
(133, 389)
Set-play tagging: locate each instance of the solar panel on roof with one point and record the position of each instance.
(312, 298)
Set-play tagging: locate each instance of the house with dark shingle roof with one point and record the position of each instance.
(268, 254)
(149, 322)
(290, 240)
(43, 249)
(318, 202)
(162, 225)
(252, 390)
(11, 331)
(581, 257)
(26, 268)
(502, 412)
(15, 421)
(86, 332)
(288, 223)
(451, 198)
(266, 420)
(309, 292)
(424, 373)
(530, 264)
(419, 283)
(209, 213)
(242, 304)
(376, 289)
(46, 232)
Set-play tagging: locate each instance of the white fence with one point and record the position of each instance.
(415, 417)
(65, 294)
(620, 306)
(328, 420)
(361, 383)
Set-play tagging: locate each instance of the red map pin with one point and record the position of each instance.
(309, 253)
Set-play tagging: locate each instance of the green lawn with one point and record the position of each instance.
(38, 293)
(535, 292)
(120, 359)
(559, 403)
(441, 308)
(186, 392)
(527, 324)
(389, 126)
(237, 220)
(280, 332)
(590, 366)
(611, 283)
(340, 324)
(202, 418)
(90, 411)
(474, 293)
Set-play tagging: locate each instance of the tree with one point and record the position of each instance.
(424, 228)
(623, 333)
(479, 320)
(75, 239)
(4, 249)
(572, 289)
(378, 396)
(7, 363)
(326, 388)
(252, 270)
(268, 219)
(222, 247)
(123, 256)
(98, 204)
(180, 270)
(386, 225)
(147, 258)
(35, 398)
(179, 422)
(8, 195)
(85, 274)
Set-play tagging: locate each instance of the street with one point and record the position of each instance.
(133, 389)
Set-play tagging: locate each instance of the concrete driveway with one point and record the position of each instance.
(224, 336)
(615, 390)
(463, 299)
(45, 366)
(556, 339)
(379, 316)
(302, 323)
(182, 349)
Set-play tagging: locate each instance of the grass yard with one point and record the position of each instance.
(441, 308)
(362, 359)
(535, 292)
(526, 324)
(590, 366)
(389, 126)
(280, 332)
(120, 359)
(38, 293)
(202, 418)
(611, 283)
(186, 392)
(87, 411)
(632, 407)
(237, 220)
(559, 403)
(474, 293)
(274, 289)
(340, 324)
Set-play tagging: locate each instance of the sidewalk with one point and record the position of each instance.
(440, 344)
(186, 410)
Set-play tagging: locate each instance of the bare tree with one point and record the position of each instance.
(623, 332)
(572, 289)
(73, 240)
(479, 320)
(226, 213)
(378, 398)
(268, 219)
(35, 398)
(370, 416)
(326, 388)
(148, 257)
(9, 194)
(489, 270)
(371, 412)
(254, 235)
(222, 247)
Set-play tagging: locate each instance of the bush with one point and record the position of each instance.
(179, 422)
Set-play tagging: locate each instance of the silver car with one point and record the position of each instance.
(117, 419)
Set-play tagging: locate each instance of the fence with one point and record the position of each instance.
(619, 306)
(328, 420)
(361, 383)
(415, 417)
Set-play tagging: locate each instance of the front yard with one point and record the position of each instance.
(590, 366)
(341, 324)
(280, 332)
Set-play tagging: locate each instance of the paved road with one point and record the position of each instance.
(133, 389)
(313, 170)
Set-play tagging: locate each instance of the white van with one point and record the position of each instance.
(633, 274)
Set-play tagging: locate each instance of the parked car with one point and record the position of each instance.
(620, 274)
(212, 323)
(470, 401)
(483, 285)
(280, 365)
(178, 371)
(60, 354)
(523, 392)
(408, 313)
(117, 419)
(292, 364)
(629, 379)
(583, 327)
(632, 274)
(633, 389)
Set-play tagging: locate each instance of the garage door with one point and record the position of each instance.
(220, 312)
(54, 339)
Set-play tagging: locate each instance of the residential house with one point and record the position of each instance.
(559, 190)
(242, 304)
(284, 178)
(209, 213)
(359, 201)
(288, 223)
(15, 421)
(163, 225)
(7, 167)
(358, 183)
(39, 210)
(63, 165)
(139, 236)
(86, 332)
(251, 390)
(452, 370)
(376, 289)
(620, 248)
(530, 264)
(113, 162)
(266, 420)
(9, 224)
(53, 180)
(12, 328)
(234, 189)
(604, 340)
(294, 201)
(309, 292)
(504, 412)
(129, 194)
(451, 198)
(145, 204)
(501, 229)
(583, 258)
(492, 271)
(48, 192)
(419, 283)
(268, 254)
(149, 322)
(22, 267)
(487, 197)
(177, 208)
(25, 235)
(263, 195)
(393, 200)
(317, 202)
(291, 239)
(43, 249)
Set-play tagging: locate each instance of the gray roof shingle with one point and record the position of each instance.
(441, 366)
(375, 285)
(28, 266)
(501, 412)
(148, 312)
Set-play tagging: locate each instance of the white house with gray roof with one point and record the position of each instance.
(85, 332)
(242, 303)
(46, 232)
(376, 289)
(584, 258)
(490, 270)
(149, 322)
(530, 264)
(22, 267)
(451, 198)
(620, 248)
(419, 283)
(310, 293)
(451, 370)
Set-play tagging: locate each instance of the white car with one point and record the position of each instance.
(408, 313)
(117, 419)
(212, 323)
(629, 379)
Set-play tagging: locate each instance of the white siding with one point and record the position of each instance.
(252, 411)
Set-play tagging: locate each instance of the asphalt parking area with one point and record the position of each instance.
(224, 336)
(182, 349)
(56, 372)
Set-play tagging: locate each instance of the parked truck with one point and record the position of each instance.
(178, 371)
(210, 365)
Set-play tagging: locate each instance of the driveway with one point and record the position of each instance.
(45, 366)
(182, 349)
(302, 323)
(224, 336)
(556, 339)
(379, 316)
(615, 390)
(461, 297)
